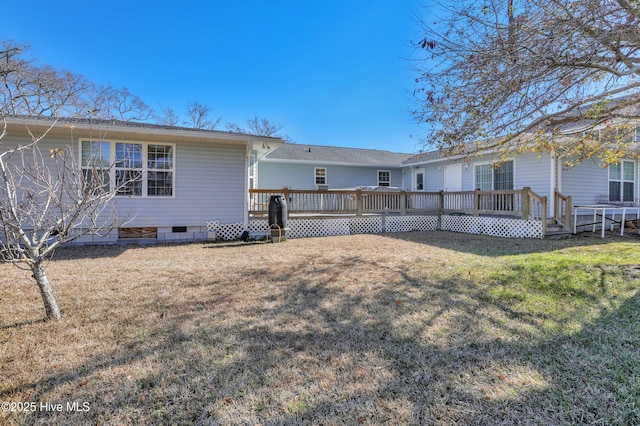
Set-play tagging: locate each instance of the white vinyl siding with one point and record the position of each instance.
(277, 175)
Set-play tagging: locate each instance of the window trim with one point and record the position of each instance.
(388, 172)
(316, 176)
(417, 172)
(493, 176)
(112, 167)
(622, 181)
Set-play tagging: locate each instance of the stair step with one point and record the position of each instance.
(557, 235)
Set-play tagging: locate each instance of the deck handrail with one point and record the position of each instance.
(537, 208)
(522, 203)
(562, 207)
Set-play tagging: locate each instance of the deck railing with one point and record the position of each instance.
(519, 203)
(562, 210)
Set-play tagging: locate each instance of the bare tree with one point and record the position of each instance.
(28, 89)
(107, 102)
(46, 202)
(260, 127)
(523, 74)
(46, 199)
(167, 117)
(31, 90)
(199, 116)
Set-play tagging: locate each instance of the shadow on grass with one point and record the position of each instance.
(392, 348)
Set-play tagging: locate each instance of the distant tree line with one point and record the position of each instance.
(46, 91)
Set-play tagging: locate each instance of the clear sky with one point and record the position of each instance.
(333, 72)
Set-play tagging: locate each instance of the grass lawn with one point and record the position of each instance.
(415, 328)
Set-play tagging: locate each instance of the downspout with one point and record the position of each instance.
(559, 174)
(552, 184)
(245, 199)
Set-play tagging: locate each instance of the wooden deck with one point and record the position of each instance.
(522, 203)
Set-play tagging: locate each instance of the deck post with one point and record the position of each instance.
(358, 202)
(476, 202)
(544, 216)
(403, 202)
(287, 197)
(525, 203)
(440, 208)
(568, 214)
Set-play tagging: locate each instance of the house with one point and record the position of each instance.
(194, 182)
(189, 176)
(312, 166)
(530, 186)
(299, 166)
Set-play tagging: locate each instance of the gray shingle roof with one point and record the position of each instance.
(128, 125)
(334, 154)
(423, 156)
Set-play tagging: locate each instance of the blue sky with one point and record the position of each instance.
(332, 72)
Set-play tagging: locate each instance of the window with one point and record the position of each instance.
(129, 169)
(492, 178)
(484, 177)
(495, 177)
(95, 162)
(419, 181)
(321, 176)
(384, 178)
(621, 181)
(137, 169)
(160, 170)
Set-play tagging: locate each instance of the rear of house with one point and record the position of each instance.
(310, 167)
(177, 179)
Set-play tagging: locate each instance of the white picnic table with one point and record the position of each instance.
(607, 212)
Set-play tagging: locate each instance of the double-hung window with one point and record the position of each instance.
(621, 181)
(321, 176)
(384, 178)
(95, 161)
(130, 168)
(160, 170)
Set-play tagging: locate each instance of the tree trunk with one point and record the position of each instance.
(50, 305)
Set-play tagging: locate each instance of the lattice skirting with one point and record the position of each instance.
(301, 228)
(499, 227)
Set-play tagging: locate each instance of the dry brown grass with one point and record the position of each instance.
(368, 329)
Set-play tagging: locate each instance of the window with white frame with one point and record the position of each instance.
(384, 178)
(621, 181)
(95, 161)
(160, 170)
(321, 176)
(136, 169)
(490, 177)
(419, 181)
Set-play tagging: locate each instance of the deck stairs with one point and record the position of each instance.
(556, 231)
